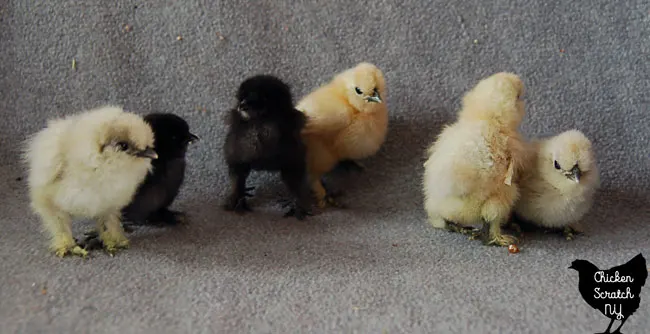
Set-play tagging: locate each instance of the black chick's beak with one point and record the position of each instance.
(575, 174)
(374, 98)
(244, 114)
(147, 153)
(241, 109)
(193, 138)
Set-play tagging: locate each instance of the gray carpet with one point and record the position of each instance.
(374, 268)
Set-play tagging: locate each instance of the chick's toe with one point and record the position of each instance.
(78, 251)
(237, 204)
(73, 250)
(112, 246)
(491, 235)
(113, 242)
(453, 227)
(298, 212)
(331, 198)
(63, 246)
(501, 240)
(570, 232)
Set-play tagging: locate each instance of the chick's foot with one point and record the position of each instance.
(62, 248)
(113, 242)
(453, 227)
(237, 204)
(297, 211)
(331, 198)
(501, 240)
(492, 236)
(570, 232)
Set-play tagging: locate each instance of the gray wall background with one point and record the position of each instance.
(584, 64)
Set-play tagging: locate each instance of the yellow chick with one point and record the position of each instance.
(88, 165)
(469, 177)
(347, 121)
(558, 187)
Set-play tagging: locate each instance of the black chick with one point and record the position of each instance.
(154, 196)
(593, 281)
(264, 135)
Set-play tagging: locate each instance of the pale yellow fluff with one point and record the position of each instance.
(471, 173)
(77, 169)
(554, 197)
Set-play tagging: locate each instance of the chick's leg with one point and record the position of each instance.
(495, 213)
(571, 230)
(497, 237)
(323, 195)
(59, 226)
(491, 235)
(111, 232)
(130, 217)
(319, 162)
(237, 199)
(318, 190)
(296, 181)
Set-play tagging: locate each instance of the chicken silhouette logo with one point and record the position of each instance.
(614, 292)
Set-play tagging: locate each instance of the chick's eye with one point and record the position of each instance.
(557, 165)
(123, 146)
(356, 89)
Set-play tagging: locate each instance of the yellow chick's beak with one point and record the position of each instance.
(374, 98)
(575, 174)
(147, 153)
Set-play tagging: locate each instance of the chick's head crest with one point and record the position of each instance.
(171, 134)
(497, 97)
(127, 137)
(364, 86)
(570, 155)
(263, 95)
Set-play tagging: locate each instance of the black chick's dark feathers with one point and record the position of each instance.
(264, 135)
(150, 204)
(619, 297)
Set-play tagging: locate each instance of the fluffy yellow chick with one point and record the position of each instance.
(88, 165)
(558, 187)
(469, 177)
(347, 121)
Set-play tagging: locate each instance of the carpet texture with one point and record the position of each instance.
(376, 267)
